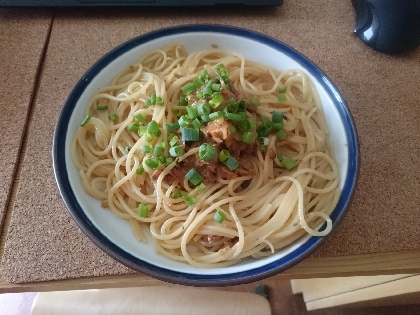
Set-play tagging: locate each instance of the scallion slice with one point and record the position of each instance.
(255, 101)
(224, 155)
(196, 123)
(277, 117)
(113, 116)
(282, 98)
(282, 89)
(233, 116)
(194, 176)
(183, 101)
(85, 121)
(188, 88)
(152, 163)
(101, 107)
(281, 135)
(216, 100)
(203, 109)
(192, 112)
(176, 151)
(140, 169)
(140, 117)
(172, 127)
(206, 152)
(189, 200)
(216, 115)
(133, 127)
(153, 128)
(190, 134)
(219, 216)
(244, 125)
(143, 210)
(231, 163)
(288, 163)
(147, 148)
(247, 137)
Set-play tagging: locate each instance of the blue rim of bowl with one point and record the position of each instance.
(259, 273)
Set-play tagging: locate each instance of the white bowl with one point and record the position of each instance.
(104, 228)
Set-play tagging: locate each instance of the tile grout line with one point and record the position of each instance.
(4, 225)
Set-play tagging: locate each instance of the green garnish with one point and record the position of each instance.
(85, 121)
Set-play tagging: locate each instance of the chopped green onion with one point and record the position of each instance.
(143, 210)
(153, 128)
(244, 125)
(280, 157)
(148, 102)
(127, 149)
(203, 109)
(247, 137)
(207, 90)
(176, 151)
(169, 161)
(189, 200)
(190, 134)
(233, 116)
(140, 117)
(147, 148)
(85, 121)
(176, 193)
(205, 118)
(215, 87)
(277, 126)
(222, 72)
(199, 95)
(172, 127)
(158, 150)
(282, 89)
(204, 75)
(232, 106)
(194, 176)
(255, 101)
(281, 135)
(188, 88)
(242, 106)
(133, 127)
(282, 98)
(267, 123)
(262, 131)
(231, 163)
(183, 101)
(101, 107)
(224, 155)
(288, 163)
(196, 123)
(140, 169)
(206, 152)
(200, 188)
(216, 115)
(152, 163)
(142, 130)
(159, 101)
(112, 116)
(262, 147)
(161, 159)
(198, 83)
(174, 141)
(192, 112)
(184, 121)
(219, 216)
(232, 128)
(277, 117)
(216, 100)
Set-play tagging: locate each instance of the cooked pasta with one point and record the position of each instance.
(216, 157)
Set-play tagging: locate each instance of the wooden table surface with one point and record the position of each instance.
(43, 52)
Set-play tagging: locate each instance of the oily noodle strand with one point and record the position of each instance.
(277, 206)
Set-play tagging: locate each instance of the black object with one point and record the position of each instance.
(149, 3)
(388, 26)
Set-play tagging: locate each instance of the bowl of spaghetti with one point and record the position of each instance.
(206, 155)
